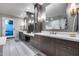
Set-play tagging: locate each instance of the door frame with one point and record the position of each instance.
(4, 27)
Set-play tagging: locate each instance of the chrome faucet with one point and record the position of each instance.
(53, 32)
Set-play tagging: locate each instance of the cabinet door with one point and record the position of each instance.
(66, 48)
(52, 47)
(72, 48)
(32, 42)
(21, 36)
(35, 41)
(60, 47)
(44, 44)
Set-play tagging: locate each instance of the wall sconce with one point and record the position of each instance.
(72, 12)
(74, 9)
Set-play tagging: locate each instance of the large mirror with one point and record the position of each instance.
(58, 23)
(56, 18)
(59, 17)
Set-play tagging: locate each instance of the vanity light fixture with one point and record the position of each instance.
(32, 15)
(74, 11)
(41, 18)
(30, 21)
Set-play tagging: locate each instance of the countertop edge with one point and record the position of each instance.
(59, 37)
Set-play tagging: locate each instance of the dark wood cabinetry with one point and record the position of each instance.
(23, 37)
(44, 44)
(1, 50)
(52, 47)
(35, 41)
(66, 48)
(55, 47)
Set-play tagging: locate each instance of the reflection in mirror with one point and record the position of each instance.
(59, 17)
(30, 22)
(53, 23)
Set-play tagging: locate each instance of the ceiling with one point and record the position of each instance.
(17, 9)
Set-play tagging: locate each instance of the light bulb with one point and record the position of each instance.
(22, 23)
(32, 15)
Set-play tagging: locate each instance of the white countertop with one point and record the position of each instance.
(59, 36)
(63, 36)
(29, 34)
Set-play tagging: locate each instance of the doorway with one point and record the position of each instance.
(8, 27)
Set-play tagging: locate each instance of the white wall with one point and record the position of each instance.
(56, 9)
(17, 25)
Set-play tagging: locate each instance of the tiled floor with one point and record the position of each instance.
(19, 48)
(36, 51)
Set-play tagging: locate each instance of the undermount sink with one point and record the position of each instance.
(72, 34)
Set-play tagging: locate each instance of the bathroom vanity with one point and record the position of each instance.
(24, 36)
(57, 19)
(53, 44)
(56, 44)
